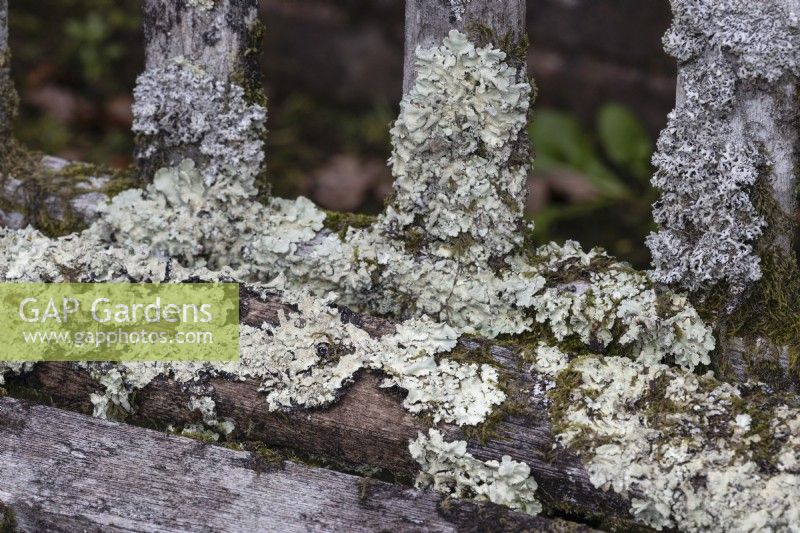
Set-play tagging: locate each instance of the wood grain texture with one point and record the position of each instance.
(429, 21)
(223, 41)
(215, 38)
(368, 425)
(62, 471)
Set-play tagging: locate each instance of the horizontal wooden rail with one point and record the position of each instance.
(62, 471)
(368, 425)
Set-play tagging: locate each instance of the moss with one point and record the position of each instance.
(771, 308)
(414, 239)
(248, 76)
(471, 350)
(201, 437)
(561, 396)
(17, 388)
(8, 524)
(516, 49)
(339, 222)
(364, 485)
(41, 182)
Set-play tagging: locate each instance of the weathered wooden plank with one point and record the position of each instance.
(62, 471)
(368, 425)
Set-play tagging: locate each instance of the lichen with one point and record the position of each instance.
(448, 468)
(458, 8)
(309, 358)
(452, 151)
(459, 188)
(685, 448)
(203, 5)
(180, 109)
(706, 168)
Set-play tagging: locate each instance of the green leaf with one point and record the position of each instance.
(625, 140)
(561, 143)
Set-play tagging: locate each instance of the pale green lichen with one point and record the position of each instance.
(206, 216)
(684, 447)
(448, 468)
(307, 360)
(452, 151)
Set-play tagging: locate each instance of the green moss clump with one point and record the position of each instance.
(9, 521)
(40, 183)
(561, 397)
(770, 310)
(339, 223)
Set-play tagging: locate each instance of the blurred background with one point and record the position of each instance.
(332, 70)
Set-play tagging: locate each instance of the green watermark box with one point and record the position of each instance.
(119, 322)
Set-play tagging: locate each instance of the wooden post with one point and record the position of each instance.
(429, 21)
(8, 97)
(218, 42)
(726, 165)
(438, 215)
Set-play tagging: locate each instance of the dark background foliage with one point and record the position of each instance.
(332, 71)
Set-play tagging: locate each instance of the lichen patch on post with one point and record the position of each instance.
(180, 111)
(708, 161)
(455, 179)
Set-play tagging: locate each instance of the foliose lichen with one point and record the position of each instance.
(308, 360)
(180, 109)
(202, 221)
(693, 453)
(204, 5)
(448, 468)
(706, 164)
(458, 7)
(455, 178)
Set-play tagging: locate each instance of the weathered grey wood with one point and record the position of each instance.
(368, 425)
(8, 97)
(429, 21)
(62, 471)
(222, 38)
(217, 37)
(70, 199)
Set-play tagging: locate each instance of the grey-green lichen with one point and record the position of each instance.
(457, 8)
(455, 178)
(181, 111)
(693, 453)
(307, 361)
(203, 5)
(448, 468)
(201, 220)
(707, 163)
